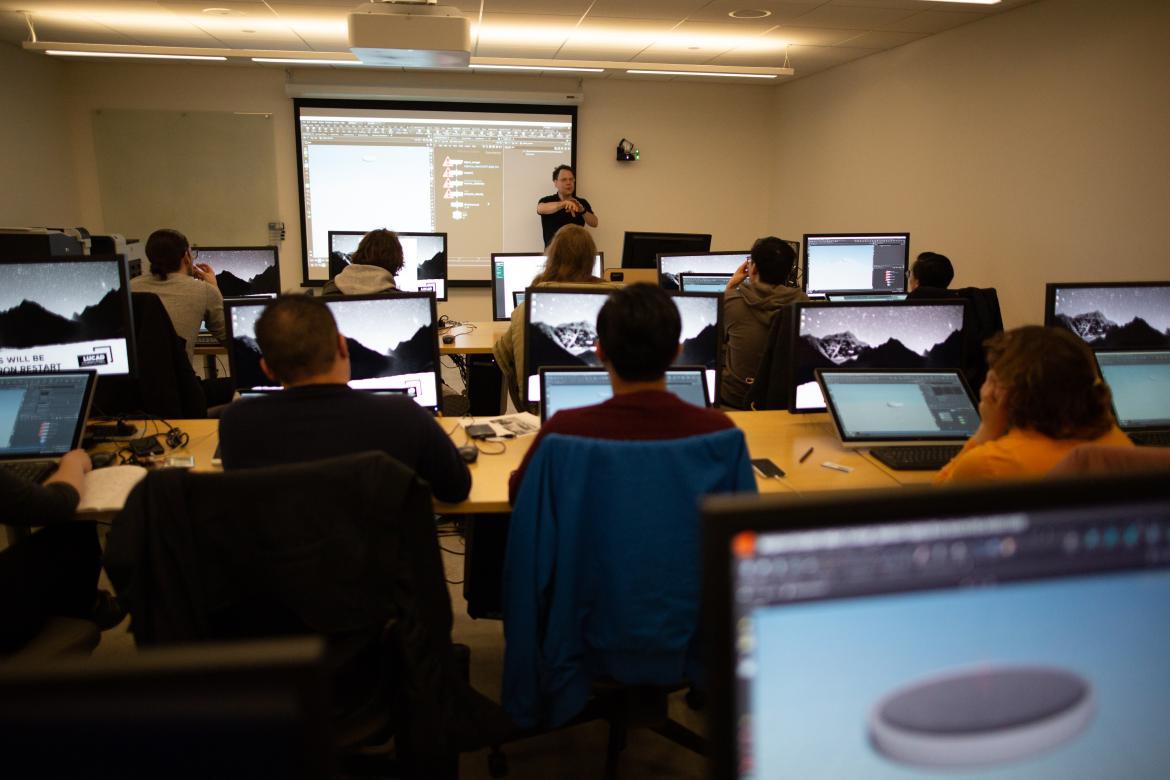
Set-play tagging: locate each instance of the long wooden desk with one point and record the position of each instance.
(779, 436)
(478, 341)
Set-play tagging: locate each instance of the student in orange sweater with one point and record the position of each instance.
(1043, 397)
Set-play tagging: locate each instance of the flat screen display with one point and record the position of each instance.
(856, 262)
(1121, 315)
(672, 267)
(243, 270)
(424, 259)
(512, 273)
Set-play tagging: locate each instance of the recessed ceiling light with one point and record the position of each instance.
(247, 31)
(217, 11)
(750, 13)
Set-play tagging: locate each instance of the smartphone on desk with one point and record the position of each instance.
(766, 468)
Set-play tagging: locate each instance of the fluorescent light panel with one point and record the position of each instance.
(131, 55)
(702, 73)
(305, 61)
(538, 67)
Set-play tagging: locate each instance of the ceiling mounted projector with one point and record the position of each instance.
(410, 34)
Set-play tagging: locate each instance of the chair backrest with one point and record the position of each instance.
(1104, 460)
(985, 321)
(602, 575)
(773, 377)
(166, 384)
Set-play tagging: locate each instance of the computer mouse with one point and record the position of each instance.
(469, 452)
(448, 339)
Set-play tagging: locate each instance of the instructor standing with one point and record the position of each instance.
(564, 208)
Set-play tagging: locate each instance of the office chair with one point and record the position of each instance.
(602, 582)
(345, 548)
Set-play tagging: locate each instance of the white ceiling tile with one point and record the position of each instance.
(851, 17)
(80, 31)
(877, 39)
(812, 36)
(930, 22)
(672, 10)
(569, 7)
(780, 11)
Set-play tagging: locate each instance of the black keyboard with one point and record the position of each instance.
(29, 470)
(926, 457)
(1151, 438)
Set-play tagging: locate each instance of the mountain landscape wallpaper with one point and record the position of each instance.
(896, 336)
(60, 303)
(1116, 317)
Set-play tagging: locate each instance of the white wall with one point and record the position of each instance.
(1032, 146)
(694, 175)
(36, 161)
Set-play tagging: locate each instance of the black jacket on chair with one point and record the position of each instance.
(342, 547)
(165, 385)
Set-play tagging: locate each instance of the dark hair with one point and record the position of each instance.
(1051, 382)
(297, 336)
(638, 328)
(381, 248)
(774, 258)
(557, 171)
(569, 257)
(933, 270)
(165, 249)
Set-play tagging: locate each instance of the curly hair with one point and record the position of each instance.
(570, 256)
(381, 248)
(1051, 382)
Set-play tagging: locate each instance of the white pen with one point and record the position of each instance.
(837, 467)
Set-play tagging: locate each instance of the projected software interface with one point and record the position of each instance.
(879, 406)
(243, 270)
(1029, 645)
(856, 263)
(424, 259)
(704, 283)
(1140, 384)
(1116, 316)
(513, 273)
(57, 316)
(672, 267)
(561, 330)
(574, 389)
(41, 414)
(392, 340)
(475, 175)
(871, 335)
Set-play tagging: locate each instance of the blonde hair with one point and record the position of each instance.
(570, 257)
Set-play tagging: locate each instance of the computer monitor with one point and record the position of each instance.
(1139, 381)
(393, 343)
(61, 314)
(248, 709)
(243, 270)
(855, 262)
(574, 387)
(560, 327)
(42, 414)
(640, 249)
(1112, 315)
(1009, 632)
(513, 272)
(893, 334)
(671, 267)
(704, 283)
(899, 406)
(424, 259)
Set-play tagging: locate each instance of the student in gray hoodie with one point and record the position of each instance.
(372, 268)
(754, 295)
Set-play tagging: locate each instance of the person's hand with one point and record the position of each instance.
(204, 273)
(740, 274)
(993, 410)
(573, 206)
(71, 469)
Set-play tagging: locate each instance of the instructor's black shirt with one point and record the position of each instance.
(322, 421)
(551, 223)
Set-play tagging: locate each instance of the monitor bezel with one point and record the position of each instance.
(415, 233)
(127, 307)
(860, 234)
(640, 234)
(794, 336)
(495, 293)
(1050, 289)
(1113, 398)
(856, 442)
(746, 254)
(700, 370)
(724, 517)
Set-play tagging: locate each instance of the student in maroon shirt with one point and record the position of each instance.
(638, 332)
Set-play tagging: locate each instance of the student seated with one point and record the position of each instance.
(754, 295)
(1042, 398)
(53, 572)
(930, 276)
(638, 332)
(187, 289)
(569, 263)
(319, 416)
(372, 267)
